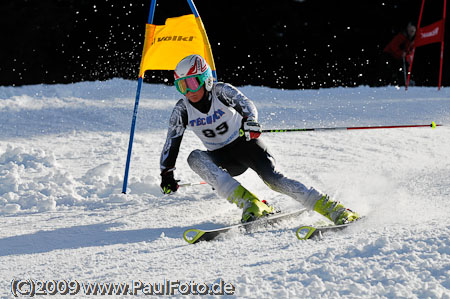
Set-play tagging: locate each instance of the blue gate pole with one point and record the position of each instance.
(196, 14)
(193, 8)
(136, 105)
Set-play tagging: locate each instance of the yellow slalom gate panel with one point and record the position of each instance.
(165, 45)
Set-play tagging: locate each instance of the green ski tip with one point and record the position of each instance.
(305, 232)
(197, 234)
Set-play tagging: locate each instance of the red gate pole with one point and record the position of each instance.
(414, 48)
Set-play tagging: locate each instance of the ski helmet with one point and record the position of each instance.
(191, 73)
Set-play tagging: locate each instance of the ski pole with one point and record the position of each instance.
(433, 125)
(192, 184)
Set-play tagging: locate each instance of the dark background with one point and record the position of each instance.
(280, 44)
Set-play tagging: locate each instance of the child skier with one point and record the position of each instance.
(227, 123)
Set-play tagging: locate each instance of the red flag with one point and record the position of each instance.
(433, 33)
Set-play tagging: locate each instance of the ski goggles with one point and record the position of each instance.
(192, 83)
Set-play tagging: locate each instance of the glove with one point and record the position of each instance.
(251, 129)
(168, 183)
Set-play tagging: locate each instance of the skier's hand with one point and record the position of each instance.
(251, 129)
(168, 182)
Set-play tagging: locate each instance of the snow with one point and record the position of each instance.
(63, 217)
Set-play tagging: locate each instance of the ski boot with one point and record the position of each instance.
(252, 207)
(335, 211)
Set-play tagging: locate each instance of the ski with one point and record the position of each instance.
(311, 232)
(195, 235)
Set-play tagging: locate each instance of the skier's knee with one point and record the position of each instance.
(195, 157)
(272, 178)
